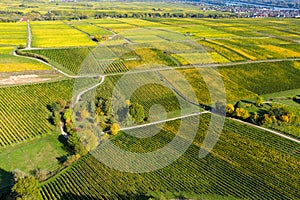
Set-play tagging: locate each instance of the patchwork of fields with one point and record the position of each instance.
(252, 57)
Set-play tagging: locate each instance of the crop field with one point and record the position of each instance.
(113, 42)
(202, 58)
(90, 29)
(259, 78)
(24, 113)
(195, 28)
(234, 91)
(226, 171)
(10, 63)
(261, 49)
(58, 34)
(141, 23)
(69, 59)
(6, 50)
(117, 27)
(236, 41)
(13, 34)
(148, 35)
(169, 67)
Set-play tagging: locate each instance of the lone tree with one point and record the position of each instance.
(259, 100)
(114, 129)
(18, 175)
(229, 109)
(56, 119)
(89, 139)
(27, 188)
(137, 112)
(84, 114)
(242, 113)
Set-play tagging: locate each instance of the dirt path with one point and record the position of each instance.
(167, 68)
(163, 121)
(202, 66)
(29, 37)
(63, 133)
(268, 130)
(88, 89)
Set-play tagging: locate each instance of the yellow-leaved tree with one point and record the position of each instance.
(114, 129)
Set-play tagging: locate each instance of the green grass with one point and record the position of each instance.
(236, 167)
(42, 154)
(283, 94)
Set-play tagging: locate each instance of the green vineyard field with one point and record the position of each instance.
(248, 164)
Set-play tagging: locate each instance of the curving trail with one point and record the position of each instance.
(167, 68)
(88, 89)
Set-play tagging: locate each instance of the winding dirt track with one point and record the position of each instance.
(162, 69)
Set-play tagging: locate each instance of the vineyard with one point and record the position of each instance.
(123, 73)
(224, 51)
(24, 113)
(234, 91)
(67, 59)
(226, 171)
(91, 29)
(261, 49)
(263, 78)
(9, 63)
(13, 34)
(152, 91)
(73, 59)
(58, 34)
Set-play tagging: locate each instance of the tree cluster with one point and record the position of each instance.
(25, 187)
(274, 115)
(237, 111)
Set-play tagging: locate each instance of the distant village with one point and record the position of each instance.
(255, 11)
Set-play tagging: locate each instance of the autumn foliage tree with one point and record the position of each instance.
(114, 129)
(229, 109)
